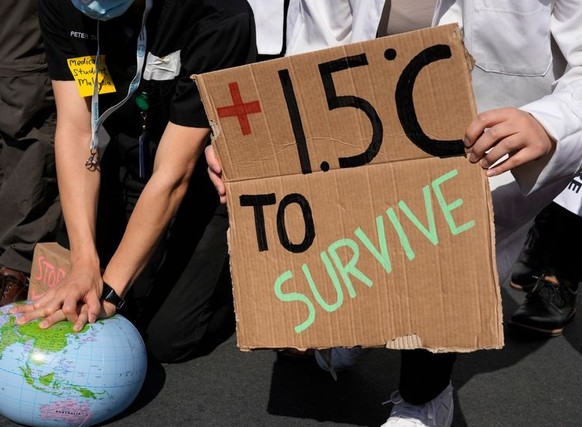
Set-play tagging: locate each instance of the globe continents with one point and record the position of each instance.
(57, 377)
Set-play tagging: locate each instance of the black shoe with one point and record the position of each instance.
(547, 308)
(523, 277)
(13, 286)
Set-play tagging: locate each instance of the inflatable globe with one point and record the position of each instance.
(57, 377)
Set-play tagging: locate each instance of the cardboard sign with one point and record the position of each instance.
(355, 218)
(50, 264)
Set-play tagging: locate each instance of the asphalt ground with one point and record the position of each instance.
(530, 382)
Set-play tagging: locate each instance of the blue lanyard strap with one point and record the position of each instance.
(96, 147)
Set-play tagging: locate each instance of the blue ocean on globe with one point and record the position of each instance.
(57, 377)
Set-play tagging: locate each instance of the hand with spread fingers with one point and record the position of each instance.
(499, 132)
(76, 299)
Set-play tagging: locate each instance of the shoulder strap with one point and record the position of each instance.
(384, 18)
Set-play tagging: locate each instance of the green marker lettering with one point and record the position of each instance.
(381, 255)
(350, 268)
(334, 279)
(401, 234)
(295, 296)
(447, 208)
(429, 232)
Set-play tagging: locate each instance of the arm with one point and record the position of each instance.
(548, 130)
(205, 47)
(78, 188)
(177, 153)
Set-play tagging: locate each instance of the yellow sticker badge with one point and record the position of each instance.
(83, 70)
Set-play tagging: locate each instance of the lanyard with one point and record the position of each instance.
(97, 120)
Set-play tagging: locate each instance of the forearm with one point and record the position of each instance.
(176, 157)
(156, 207)
(78, 187)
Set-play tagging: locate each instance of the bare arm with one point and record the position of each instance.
(78, 188)
(77, 298)
(176, 157)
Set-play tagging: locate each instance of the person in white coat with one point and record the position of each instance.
(527, 82)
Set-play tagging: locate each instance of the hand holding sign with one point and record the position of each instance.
(371, 228)
(506, 131)
(215, 172)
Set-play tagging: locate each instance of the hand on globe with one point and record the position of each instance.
(75, 299)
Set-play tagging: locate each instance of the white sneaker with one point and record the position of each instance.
(436, 413)
(337, 359)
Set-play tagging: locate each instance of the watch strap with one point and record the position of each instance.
(111, 296)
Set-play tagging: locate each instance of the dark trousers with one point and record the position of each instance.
(186, 310)
(423, 375)
(30, 209)
(552, 246)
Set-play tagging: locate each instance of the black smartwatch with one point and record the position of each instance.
(111, 296)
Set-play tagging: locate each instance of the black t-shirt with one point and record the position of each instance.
(206, 35)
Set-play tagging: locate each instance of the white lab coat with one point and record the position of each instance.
(528, 55)
(317, 24)
(571, 197)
